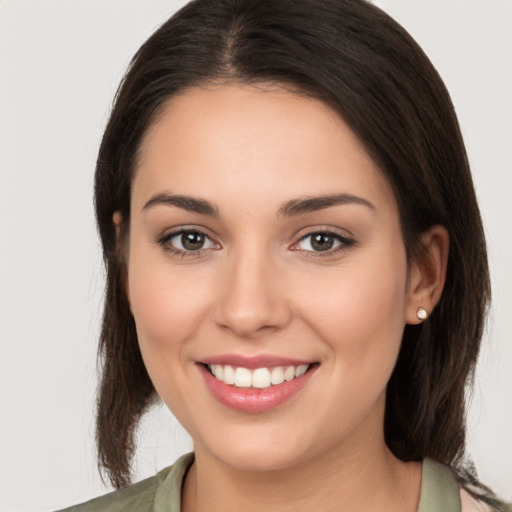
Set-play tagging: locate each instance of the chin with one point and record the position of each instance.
(255, 449)
(261, 460)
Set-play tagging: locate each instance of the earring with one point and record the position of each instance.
(421, 314)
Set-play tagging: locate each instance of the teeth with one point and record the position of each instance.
(260, 378)
(301, 370)
(218, 371)
(289, 373)
(229, 375)
(243, 378)
(277, 376)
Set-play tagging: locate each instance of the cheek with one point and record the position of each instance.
(166, 302)
(359, 316)
(359, 310)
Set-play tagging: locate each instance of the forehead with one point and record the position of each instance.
(264, 143)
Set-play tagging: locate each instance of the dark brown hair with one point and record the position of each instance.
(357, 60)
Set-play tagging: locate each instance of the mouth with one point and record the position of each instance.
(258, 378)
(252, 386)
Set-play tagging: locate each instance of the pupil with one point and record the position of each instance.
(192, 241)
(322, 242)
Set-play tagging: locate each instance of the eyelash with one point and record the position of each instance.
(345, 243)
(164, 242)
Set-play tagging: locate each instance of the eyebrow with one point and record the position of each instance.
(313, 204)
(188, 203)
(289, 209)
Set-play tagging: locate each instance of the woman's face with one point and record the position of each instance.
(265, 242)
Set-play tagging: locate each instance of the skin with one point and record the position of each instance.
(258, 287)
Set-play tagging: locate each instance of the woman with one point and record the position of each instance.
(291, 238)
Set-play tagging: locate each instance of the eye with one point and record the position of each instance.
(189, 241)
(323, 241)
(186, 241)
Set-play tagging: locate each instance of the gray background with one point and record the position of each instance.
(60, 63)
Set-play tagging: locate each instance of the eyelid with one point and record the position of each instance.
(179, 234)
(345, 242)
(164, 241)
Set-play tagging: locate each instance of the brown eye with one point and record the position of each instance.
(322, 241)
(192, 240)
(187, 241)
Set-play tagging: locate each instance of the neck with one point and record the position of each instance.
(358, 476)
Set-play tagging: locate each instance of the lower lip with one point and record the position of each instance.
(254, 400)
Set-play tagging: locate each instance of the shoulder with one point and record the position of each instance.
(137, 497)
(160, 492)
(444, 489)
(441, 489)
(470, 504)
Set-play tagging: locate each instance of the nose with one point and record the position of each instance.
(252, 298)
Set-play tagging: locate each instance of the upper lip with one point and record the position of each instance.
(252, 362)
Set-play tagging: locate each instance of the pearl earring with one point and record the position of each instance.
(421, 314)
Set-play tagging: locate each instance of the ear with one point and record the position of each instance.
(427, 274)
(117, 220)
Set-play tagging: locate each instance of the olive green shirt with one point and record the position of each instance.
(162, 492)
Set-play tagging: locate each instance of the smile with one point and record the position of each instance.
(259, 378)
(255, 384)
